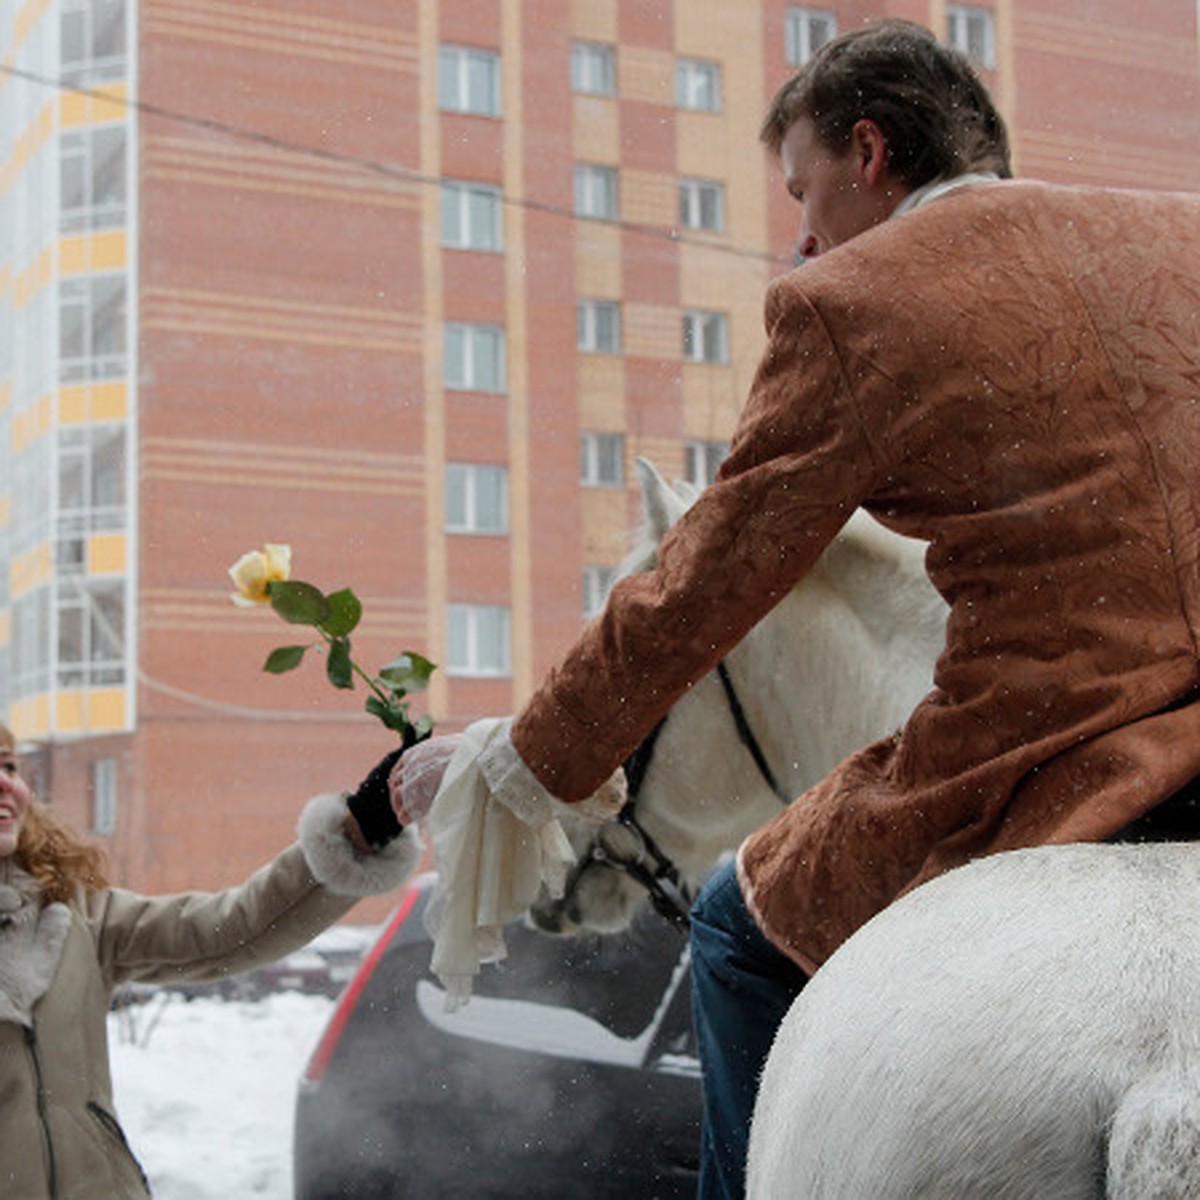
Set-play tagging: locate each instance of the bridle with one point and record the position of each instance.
(624, 844)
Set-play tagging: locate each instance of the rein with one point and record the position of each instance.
(625, 845)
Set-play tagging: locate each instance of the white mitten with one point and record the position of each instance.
(417, 775)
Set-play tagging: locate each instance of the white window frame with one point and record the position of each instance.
(95, 22)
(805, 31)
(472, 216)
(698, 85)
(596, 192)
(469, 80)
(593, 68)
(598, 326)
(602, 459)
(701, 458)
(85, 149)
(95, 307)
(597, 583)
(972, 30)
(476, 498)
(702, 205)
(472, 631)
(473, 357)
(705, 336)
(104, 797)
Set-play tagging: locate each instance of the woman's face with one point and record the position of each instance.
(14, 801)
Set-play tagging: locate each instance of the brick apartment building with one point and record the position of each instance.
(407, 285)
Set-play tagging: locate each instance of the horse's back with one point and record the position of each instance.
(979, 1038)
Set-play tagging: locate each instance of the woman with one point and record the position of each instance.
(68, 938)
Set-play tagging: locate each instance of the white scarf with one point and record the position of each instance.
(31, 942)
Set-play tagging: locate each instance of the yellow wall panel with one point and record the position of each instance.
(77, 109)
(596, 134)
(93, 402)
(92, 252)
(30, 718)
(5, 628)
(106, 554)
(595, 20)
(649, 197)
(107, 709)
(68, 712)
(597, 259)
(600, 386)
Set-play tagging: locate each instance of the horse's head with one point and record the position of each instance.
(599, 894)
(602, 894)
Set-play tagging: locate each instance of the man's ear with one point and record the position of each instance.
(869, 144)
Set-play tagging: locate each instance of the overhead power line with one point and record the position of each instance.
(374, 166)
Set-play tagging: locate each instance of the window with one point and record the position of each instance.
(705, 337)
(972, 31)
(469, 81)
(91, 631)
(598, 327)
(698, 85)
(702, 205)
(91, 328)
(92, 178)
(104, 796)
(593, 69)
(474, 358)
(92, 34)
(471, 217)
(805, 31)
(701, 460)
(597, 583)
(602, 460)
(477, 640)
(476, 498)
(595, 191)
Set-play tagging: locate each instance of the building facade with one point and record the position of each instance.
(407, 286)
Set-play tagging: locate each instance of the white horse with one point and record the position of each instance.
(840, 661)
(1023, 1028)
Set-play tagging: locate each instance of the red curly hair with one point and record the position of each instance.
(59, 862)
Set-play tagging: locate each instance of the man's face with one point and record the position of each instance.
(843, 193)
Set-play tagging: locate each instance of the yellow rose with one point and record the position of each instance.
(253, 571)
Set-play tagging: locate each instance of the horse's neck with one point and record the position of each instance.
(847, 655)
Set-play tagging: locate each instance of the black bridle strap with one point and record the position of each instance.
(746, 734)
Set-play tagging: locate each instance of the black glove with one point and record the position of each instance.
(371, 804)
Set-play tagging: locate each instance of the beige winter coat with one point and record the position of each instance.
(1011, 372)
(59, 1135)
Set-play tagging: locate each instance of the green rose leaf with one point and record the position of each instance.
(408, 673)
(345, 612)
(284, 658)
(299, 603)
(338, 666)
(393, 715)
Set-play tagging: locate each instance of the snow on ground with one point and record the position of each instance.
(206, 1089)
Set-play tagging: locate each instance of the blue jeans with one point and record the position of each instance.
(741, 988)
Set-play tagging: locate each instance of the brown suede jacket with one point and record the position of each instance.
(1012, 373)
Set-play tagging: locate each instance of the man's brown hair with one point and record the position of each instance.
(934, 111)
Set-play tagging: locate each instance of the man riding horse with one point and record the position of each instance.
(1008, 370)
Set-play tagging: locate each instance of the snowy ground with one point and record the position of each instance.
(206, 1089)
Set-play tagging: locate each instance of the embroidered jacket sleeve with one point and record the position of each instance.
(804, 456)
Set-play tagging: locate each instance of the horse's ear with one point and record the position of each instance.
(661, 504)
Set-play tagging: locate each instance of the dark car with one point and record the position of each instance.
(572, 1072)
